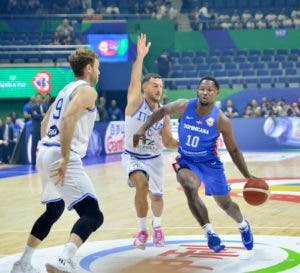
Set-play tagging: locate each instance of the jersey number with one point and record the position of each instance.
(192, 141)
(58, 107)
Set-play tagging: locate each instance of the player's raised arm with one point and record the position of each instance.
(176, 107)
(134, 95)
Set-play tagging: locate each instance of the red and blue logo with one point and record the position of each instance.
(41, 82)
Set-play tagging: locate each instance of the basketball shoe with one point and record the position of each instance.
(247, 236)
(141, 239)
(19, 267)
(158, 237)
(61, 266)
(214, 242)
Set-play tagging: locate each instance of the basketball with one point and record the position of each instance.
(256, 192)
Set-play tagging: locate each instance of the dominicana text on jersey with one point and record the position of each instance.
(198, 136)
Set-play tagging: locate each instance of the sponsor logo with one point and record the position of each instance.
(115, 137)
(191, 254)
(53, 131)
(41, 82)
(210, 121)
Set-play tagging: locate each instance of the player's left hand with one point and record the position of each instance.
(139, 135)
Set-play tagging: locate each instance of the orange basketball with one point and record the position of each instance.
(256, 191)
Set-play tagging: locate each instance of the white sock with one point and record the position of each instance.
(69, 251)
(242, 224)
(156, 221)
(142, 223)
(208, 228)
(27, 254)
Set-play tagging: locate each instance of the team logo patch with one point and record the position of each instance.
(53, 131)
(210, 121)
(41, 82)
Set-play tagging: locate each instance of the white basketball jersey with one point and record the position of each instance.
(152, 145)
(83, 127)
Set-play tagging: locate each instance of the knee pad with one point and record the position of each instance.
(43, 224)
(91, 218)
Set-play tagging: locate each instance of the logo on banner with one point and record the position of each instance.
(41, 82)
(115, 137)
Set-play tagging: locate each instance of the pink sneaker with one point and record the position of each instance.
(141, 239)
(158, 237)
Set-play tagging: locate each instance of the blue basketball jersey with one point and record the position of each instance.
(198, 136)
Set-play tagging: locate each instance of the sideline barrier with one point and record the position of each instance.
(252, 134)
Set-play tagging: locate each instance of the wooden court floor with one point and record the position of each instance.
(20, 204)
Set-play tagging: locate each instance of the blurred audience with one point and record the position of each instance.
(114, 112)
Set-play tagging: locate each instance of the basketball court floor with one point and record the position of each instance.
(276, 224)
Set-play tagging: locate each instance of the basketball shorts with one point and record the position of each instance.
(211, 173)
(77, 184)
(154, 169)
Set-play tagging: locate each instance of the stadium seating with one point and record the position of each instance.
(239, 68)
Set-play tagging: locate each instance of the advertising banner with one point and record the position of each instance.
(26, 82)
(114, 137)
(253, 134)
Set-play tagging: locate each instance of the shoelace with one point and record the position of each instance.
(158, 234)
(142, 237)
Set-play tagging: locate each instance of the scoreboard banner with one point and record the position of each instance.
(25, 82)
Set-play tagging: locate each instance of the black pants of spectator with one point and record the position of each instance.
(35, 137)
(5, 153)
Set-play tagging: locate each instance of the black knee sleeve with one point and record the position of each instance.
(91, 218)
(43, 224)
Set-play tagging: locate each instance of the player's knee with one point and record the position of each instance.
(98, 220)
(225, 205)
(54, 210)
(188, 185)
(43, 224)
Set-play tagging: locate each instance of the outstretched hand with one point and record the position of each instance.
(142, 45)
(139, 135)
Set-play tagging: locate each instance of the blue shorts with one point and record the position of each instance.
(211, 173)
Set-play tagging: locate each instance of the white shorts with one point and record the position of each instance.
(154, 168)
(77, 185)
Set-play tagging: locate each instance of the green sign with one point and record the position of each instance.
(25, 82)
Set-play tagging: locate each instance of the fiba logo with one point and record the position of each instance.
(41, 82)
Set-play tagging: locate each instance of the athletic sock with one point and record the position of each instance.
(27, 254)
(208, 228)
(142, 223)
(69, 251)
(242, 224)
(156, 222)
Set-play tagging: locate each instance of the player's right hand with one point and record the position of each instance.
(142, 45)
(60, 171)
(139, 135)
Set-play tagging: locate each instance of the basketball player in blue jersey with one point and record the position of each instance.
(65, 131)
(144, 165)
(200, 125)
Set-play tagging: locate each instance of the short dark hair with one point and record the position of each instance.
(148, 76)
(210, 78)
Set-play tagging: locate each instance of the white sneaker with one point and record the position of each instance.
(19, 267)
(61, 266)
